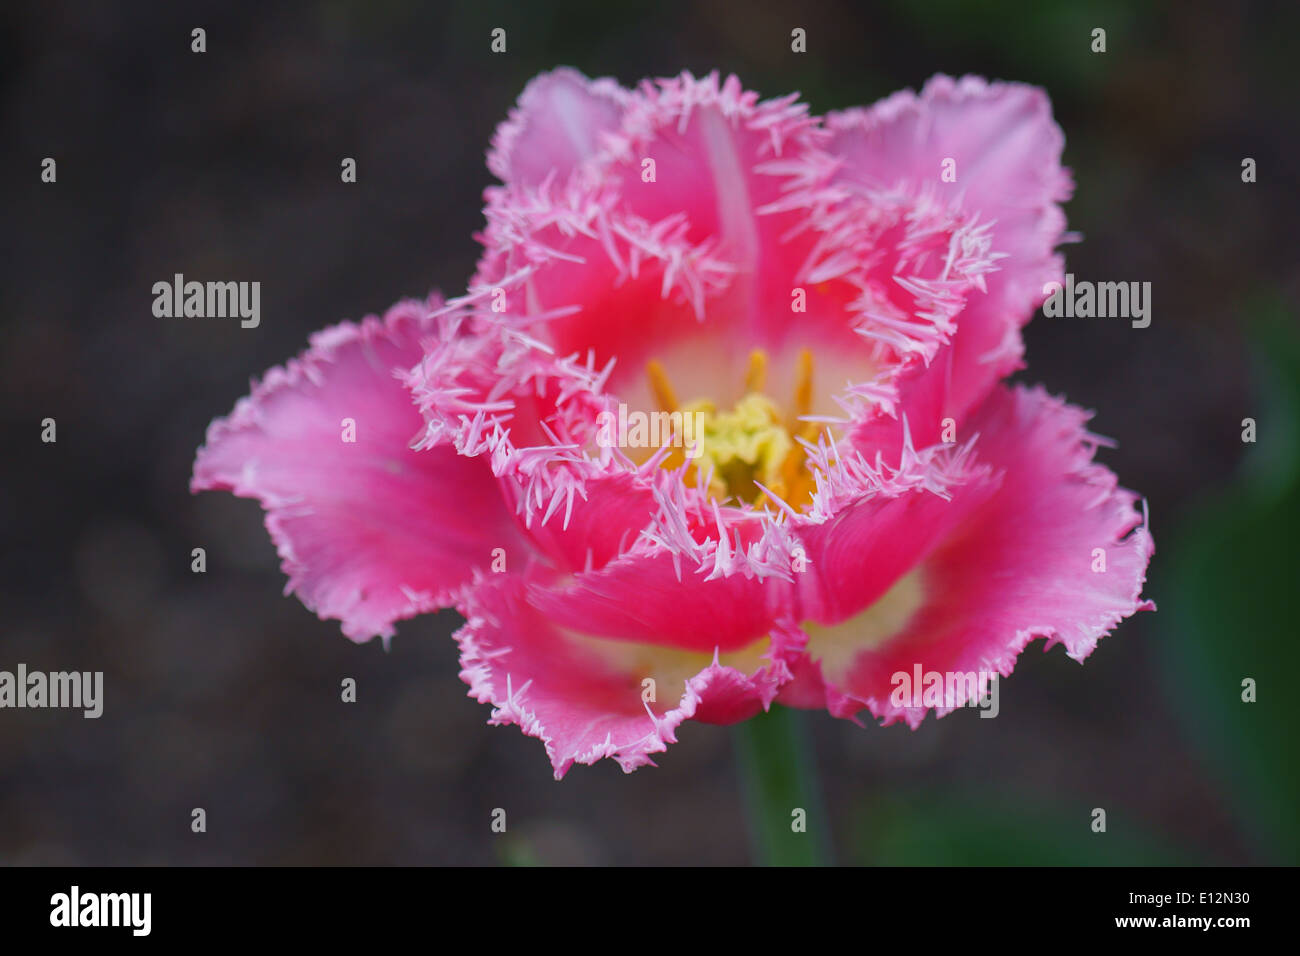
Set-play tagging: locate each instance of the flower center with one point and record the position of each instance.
(752, 446)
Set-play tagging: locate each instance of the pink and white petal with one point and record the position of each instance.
(590, 279)
(897, 271)
(368, 530)
(725, 166)
(1007, 151)
(591, 528)
(557, 125)
(1002, 137)
(586, 698)
(648, 596)
(535, 419)
(707, 136)
(1025, 565)
(870, 526)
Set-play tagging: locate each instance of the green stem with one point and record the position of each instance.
(779, 777)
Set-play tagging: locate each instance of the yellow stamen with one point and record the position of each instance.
(754, 442)
(662, 388)
(803, 385)
(756, 375)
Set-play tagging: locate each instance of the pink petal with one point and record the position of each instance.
(607, 516)
(369, 531)
(699, 266)
(571, 692)
(556, 126)
(1020, 568)
(640, 596)
(1007, 150)
(870, 525)
(593, 278)
(725, 164)
(493, 392)
(707, 137)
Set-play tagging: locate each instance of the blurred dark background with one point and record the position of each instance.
(221, 694)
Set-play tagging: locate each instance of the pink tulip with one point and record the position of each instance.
(833, 301)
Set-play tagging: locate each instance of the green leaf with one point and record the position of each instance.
(1228, 610)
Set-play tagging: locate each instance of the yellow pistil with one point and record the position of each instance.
(796, 480)
(753, 443)
(756, 375)
(660, 385)
(744, 445)
(803, 385)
